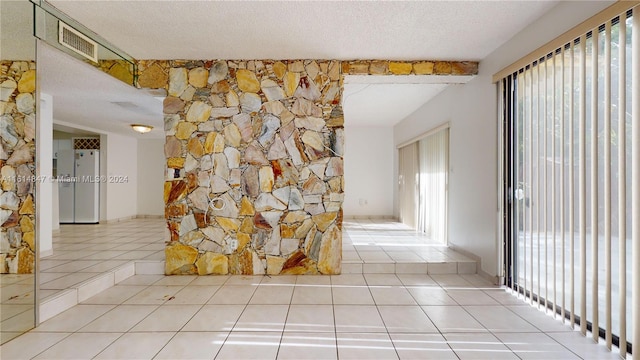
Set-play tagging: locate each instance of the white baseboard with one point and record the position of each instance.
(116, 220)
(149, 216)
(370, 217)
(44, 254)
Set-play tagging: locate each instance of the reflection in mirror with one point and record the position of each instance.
(67, 35)
(18, 251)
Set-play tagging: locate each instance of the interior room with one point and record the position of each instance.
(203, 182)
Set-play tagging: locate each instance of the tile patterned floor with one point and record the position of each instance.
(374, 245)
(81, 252)
(350, 316)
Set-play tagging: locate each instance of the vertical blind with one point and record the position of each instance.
(423, 178)
(432, 212)
(574, 218)
(408, 184)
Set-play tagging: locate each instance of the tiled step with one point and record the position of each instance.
(431, 268)
(64, 300)
(55, 304)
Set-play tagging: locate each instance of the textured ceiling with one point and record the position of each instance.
(384, 101)
(147, 29)
(402, 30)
(87, 98)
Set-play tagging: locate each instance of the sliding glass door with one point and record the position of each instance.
(423, 184)
(567, 160)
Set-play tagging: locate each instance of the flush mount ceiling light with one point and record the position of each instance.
(141, 128)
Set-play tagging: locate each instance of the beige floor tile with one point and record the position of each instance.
(430, 295)
(136, 346)
(471, 297)
(391, 295)
(365, 346)
(250, 345)
(193, 295)
(272, 294)
(358, 318)
(499, 319)
(312, 294)
(30, 344)
(313, 318)
(406, 319)
(308, 346)
(167, 318)
(535, 346)
(352, 295)
(215, 318)
(120, 319)
(422, 347)
(79, 346)
(74, 318)
(154, 295)
(193, 345)
(233, 294)
(262, 318)
(478, 346)
(451, 319)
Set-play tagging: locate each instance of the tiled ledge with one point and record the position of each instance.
(156, 267)
(427, 268)
(63, 300)
(55, 304)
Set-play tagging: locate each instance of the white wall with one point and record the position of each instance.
(368, 171)
(122, 162)
(151, 163)
(471, 110)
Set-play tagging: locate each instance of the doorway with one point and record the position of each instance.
(92, 111)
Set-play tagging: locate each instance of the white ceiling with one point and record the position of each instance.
(149, 29)
(385, 101)
(86, 98)
(446, 30)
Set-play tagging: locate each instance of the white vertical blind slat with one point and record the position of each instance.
(635, 179)
(582, 184)
(607, 181)
(538, 184)
(552, 135)
(562, 206)
(594, 185)
(522, 90)
(572, 278)
(545, 184)
(622, 180)
(531, 189)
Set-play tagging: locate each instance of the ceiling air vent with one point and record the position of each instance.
(77, 42)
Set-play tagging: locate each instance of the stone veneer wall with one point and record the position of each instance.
(266, 139)
(17, 167)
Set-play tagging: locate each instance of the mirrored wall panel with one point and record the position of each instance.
(18, 250)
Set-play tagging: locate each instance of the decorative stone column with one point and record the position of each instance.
(254, 165)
